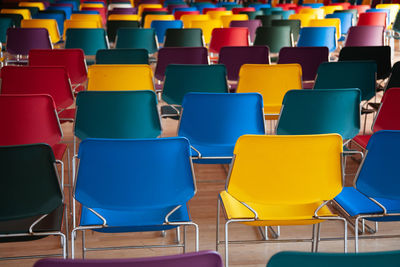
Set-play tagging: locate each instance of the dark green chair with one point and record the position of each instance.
(266, 20)
(275, 37)
(305, 259)
(122, 56)
(89, 40)
(16, 18)
(114, 25)
(252, 14)
(138, 38)
(145, 13)
(294, 26)
(31, 198)
(183, 38)
(5, 23)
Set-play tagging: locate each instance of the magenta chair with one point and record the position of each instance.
(365, 36)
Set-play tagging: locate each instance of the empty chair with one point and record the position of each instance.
(161, 26)
(183, 38)
(275, 37)
(187, 19)
(318, 12)
(114, 25)
(251, 25)
(226, 20)
(365, 36)
(16, 18)
(345, 22)
(304, 18)
(206, 26)
(5, 23)
(217, 14)
(318, 36)
(372, 19)
(327, 23)
(89, 40)
(266, 20)
(25, 13)
(252, 14)
(92, 17)
(228, 37)
(149, 19)
(294, 26)
(122, 56)
(79, 24)
(138, 38)
(57, 15)
(49, 24)
(128, 17)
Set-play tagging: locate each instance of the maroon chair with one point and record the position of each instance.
(221, 37)
(127, 11)
(365, 36)
(179, 14)
(251, 25)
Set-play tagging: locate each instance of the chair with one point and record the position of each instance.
(252, 14)
(275, 37)
(345, 22)
(284, 13)
(25, 13)
(393, 9)
(331, 9)
(213, 132)
(79, 24)
(374, 196)
(370, 259)
(318, 12)
(394, 78)
(138, 38)
(39, 5)
(149, 19)
(251, 26)
(187, 19)
(92, 17)
(129, 205)
(237, 10)
(57, 15)
(266, 20)
(161, 26)
(66, 9)
(122, 56)
(307, 111)
(49, 24)
(206, 26)
(217, 14)
(282, 180)
(178, 14)
(16, 18)
(114, 25)
(221, 37)
(89, 40)
(194, 259)
(294, 26)
(32, 197)
(226, 20)
(120, 77)
(365, 36)
(129, 17)
(372, 19)
(183, 38)
(268, 81)
(318, 36)
(5, 23)
(327, 23)
(304, 18)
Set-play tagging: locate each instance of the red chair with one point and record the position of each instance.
(287, 6)
(179, 14)
(221, 37)
(372, 19)
(50, 80)
(360, 8)
(102, 11)
(237, 10)
(387, 118)
(206, 9)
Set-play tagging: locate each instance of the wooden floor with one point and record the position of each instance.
(210, 181)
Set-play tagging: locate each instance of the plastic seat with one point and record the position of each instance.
(149, 19)
(114, 25)
(382, 10)
(79, 24)
(331, 9)
(327, 23)
(16, 18)
(49, 24)
(124, 10)
(122, 56)
(213, 132)
(183, 38)
(66, 9)
(31, 190)
(228, 37)
(25, 13)
(89, 40)
(393, 10)
(194, 259)
(57, 15)
(251, 25)
(275, 37)
(226, 20)
(307, 111)
(129, 205)
(237, 10)
(318, 36)
(273, 181)
(129, 17)
(217, 14)
(5, 23)
(345, 22)
(161, 26)
(138, 38)
(375, 194)
(100, 10)
(91, 17)
(271, 81)
(266, 20)
(206, 26)
(39, 5)
(318, 12)
(284, 13)
(187, 19)
(304, 18)
(365, 36)
(252, 14)
(372, 19)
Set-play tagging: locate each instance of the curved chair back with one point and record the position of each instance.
(266, 20)
(372, 19)
(345, 20)
(161, 26)
(318, 36)
(206, 26)
(25, 13)
(92, 17)
(221, 37)
(388, 113)
(275, 37)
(5, 23)
(284, 13)
(226, 20)
(318, 12)
(394, 78)
(327, 23)
(122, 56)
(294, 26)
(89, 40)
(149, 19)
(21, 40)
(252, 14)
(365, 36)
(57, 15)
(79, 24)
(138, 38)
(114, 25)
(16, 18)
(183, 38)
(49, 24)
(251, 25)
(304, 18)
(187, 19)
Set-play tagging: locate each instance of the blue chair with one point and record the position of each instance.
(376, 192)
(66, 9)
(161, 26)
(318, 36)
(213, 131)
(86, 12)
(121, 190)
(345, 22)
(53, 14)
(313, 5)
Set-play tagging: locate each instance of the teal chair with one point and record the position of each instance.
(5, 23)
(305, 259)
(114, 25)
(89, 40)
(138, 38)
(183, 38)
(122, 56)
(294, 26)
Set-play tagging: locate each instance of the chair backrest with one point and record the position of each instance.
(216, 14)
(33, 120)
(333, 22)
(92, 17)
(221, 37)
(348, 74)
(179, 55)
(89, 40)
(251, 25)
(117, 114)
(183, 38)
(345, 20)
(194, 259)
(365, 36)
(318, 12)
(304, 18)
(120, 77)
(187, 19)
(221, 121)
(226, 20)
(122, 56)
(114, 25)
(377, 176)
(393, 10)
(294, 26)
(129, 17)
(51, 80)
(182, 79)
(394, 78)
(79, 24)
(308, 57)
(307, 169)
(206, 26)
(388, 117)
(30, 181)
(49, 24)
(16, 18)
(149, 19)
(318, 36)
(21, 40)
(72, 59)
(271, 81)
(137, 38)
(275, 37)
(380, 54)
(368, 259)
(161, 26)
(354, 12)
(372, 19)
(284, 13)
(64, 8)
(120, 175)
(233, 57)
(25, 13)
(307, 111)
(252, 14)
(57, 15)
(266, 20)
(5, 23)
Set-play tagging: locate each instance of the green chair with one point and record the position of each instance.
(183, 38)
(89, 40)
(31, 198)
(138, 38)
(122, 56)
(114, 25)
(294, 26)
(5, 23)
(275, 37)
(16, 18)
(267, 19)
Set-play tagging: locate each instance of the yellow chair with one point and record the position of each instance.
(49, 24)
(123, 17)
(304, 18)
(283, 180)
(207, 26)
(217, 14)
(91, 17)
(143, 6)
(394, 8)
(331, 9)
(25, 13)
(80, 24)
(91, 5)
(187, 19)
(327, 23)
(149, 18)
(319, 12)
(272, 82)
(226, 20)
(39, 5)
(120, 77)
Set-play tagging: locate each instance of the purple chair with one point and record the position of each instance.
(365, 36)
(128, 11)
(173, 6)
(196, 259)
(252, 25)
(308, 57)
